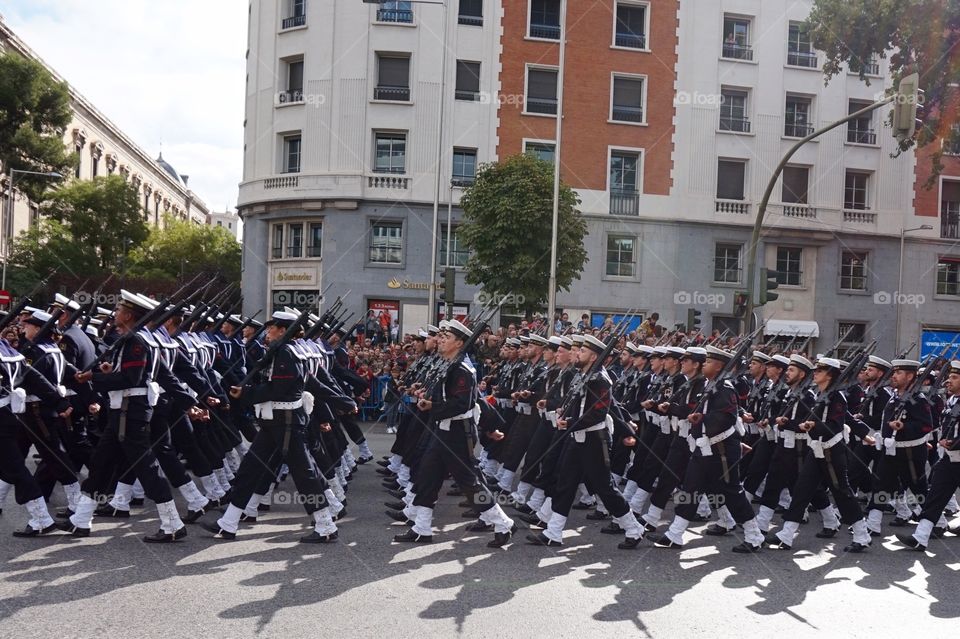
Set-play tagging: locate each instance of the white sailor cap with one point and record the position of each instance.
(595, 345)
(879, 362)
(566, 342)
(152, 303)
(779, 360)
(538, 340)
(134, 302)
(829, 362)
(443, 325)
(432, 330)
(696, 353)
(577, 339)
(801, 362)
(458, 329)
(630, 347)
(512, 342)
(421, 334)
(760, 356)
(658, 351)
(524, 339)
(554, 342)
(92, 330)
(955, 367)
(674, 351)
(38, 318)
(905, 364)
(645, 351)
(29, 310)
(282, 318)
(105, 312)
(65, 302)
(712, 352)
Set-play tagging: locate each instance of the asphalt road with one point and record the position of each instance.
(266, 584)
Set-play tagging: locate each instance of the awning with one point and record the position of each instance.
(800, 328)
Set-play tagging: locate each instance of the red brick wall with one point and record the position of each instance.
(590, 60)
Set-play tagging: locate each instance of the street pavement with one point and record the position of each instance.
(266, 584)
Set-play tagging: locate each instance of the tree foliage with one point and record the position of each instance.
(102, 216)
(34, 111)
(920, 36)
(182, 247)
(508, 216)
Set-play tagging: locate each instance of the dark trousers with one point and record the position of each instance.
(13, 470)
(186, 443)
(646, 474)
(114, 457)
(716, 476)
(906, 469)
(497, 450)
(267, 453)
(587, 462)
(537, 449)
(352, 429)
(44, 433)
(519, 439)
(163, 451)
(674, 470)
(831, 471)
(944, 481)
(860, 456)
(547, 477)
(450, 452)
(784, 470)
(759, 464)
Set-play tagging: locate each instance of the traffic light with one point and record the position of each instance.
(905, 107)
(450, 283)
(739, 303)
(768, 282)
(693, 319)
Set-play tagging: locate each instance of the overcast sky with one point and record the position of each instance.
(169, 71)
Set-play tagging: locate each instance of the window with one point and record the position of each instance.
(315, 240)
(797, 117)
(386, 243)
(468, 81)
(860, 131)
(855, 191)
(621, 252)
(395, 11)
(471, 13)
(726, 263)
(733, 111)
(631, 26)
(291, 154)
(796, 182)
(393, 78)
(276, 249)
(870, 67)
(951, 145)
(545, 19)
(298, 14)
(295, 240)
(541, 91)
(950, 210)
(95, 166)
(76, 171)
(789, 262)
(464, 167)
(799, 50)
(853, 335)
(390, 152)
(624, 183)
(294, 92)
(948, 276)
(853, 271)
(627, 99)
(458, 254)
(736, 39)
(730, 179)
(219, 223)
(542, 150)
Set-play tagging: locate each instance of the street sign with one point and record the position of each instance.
(5, 297)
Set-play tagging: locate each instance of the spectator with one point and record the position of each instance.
(649, 326)
(584, 323)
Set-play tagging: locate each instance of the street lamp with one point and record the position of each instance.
(903, 233)
(8, 216)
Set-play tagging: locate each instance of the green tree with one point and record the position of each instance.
(34, 111)
(101, 216)
(508, 214)
(924, 36)
(180, 247)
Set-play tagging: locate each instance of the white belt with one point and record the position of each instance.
(771, 432)
(635, 417)
(705, 444)
(308, 402)
(524, 408)
(818, 446)
(472, 414)
(580, 436)
(953, 455)
(891, 445)
(16, 400)
(551, 416)
(683, 428)
(664, 423)
(264, 410)
(117, 396)
(504, 403)
(790, 438)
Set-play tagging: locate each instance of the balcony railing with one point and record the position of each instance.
(628, 114)
(806, 59)
(285, 182)
(861, 136)
(870, 68)
(542, 105)
(737, 51)
(470, 21)
(737, 207)
(545, 31)
(290, 97)
(952, 146)
(803, 211)
(387, 182)
(469, 96)
(631, 40)
(950, 225)
(624, 202)
(396, 94)
(295, 21)
(797, 130)
(739, 125)
(395, 15)
(463, 180)
(855, 216)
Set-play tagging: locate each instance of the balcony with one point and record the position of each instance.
(387, 181)
(294, 96)
(736, 207)
(737, 52)
(950, 225)
(799, 211)
(952, 146)
(293, 22)
(392, 94)
(545, 31)
(870, 68)
(627, 114)
(861, 136)
(859, 216)
(468, 96)
(470, 21)
(737, 125)
(631, 40)
(463, 181)
(402, 16)
(285, 182)
(542, 105)
(805, 59)
(624, 202)
(797, 130)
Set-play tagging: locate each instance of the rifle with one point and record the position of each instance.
(274, 348)
(247, 322)
(445, 365)
(838, 343)
(226, 315)
(729, 369)
(91, 307)
(903, 354)
(25, 301)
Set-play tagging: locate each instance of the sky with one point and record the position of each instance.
(167, 72)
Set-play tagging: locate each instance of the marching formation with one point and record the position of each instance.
(182, 393)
